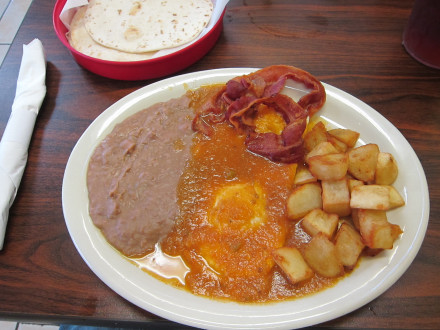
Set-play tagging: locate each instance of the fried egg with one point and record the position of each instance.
(240, 246)
(238, 207)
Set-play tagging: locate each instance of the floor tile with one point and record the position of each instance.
(11, 19)
(3, 6)
(27, 326)
(8, 325)
(3, 51)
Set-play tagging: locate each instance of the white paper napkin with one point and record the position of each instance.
(69, 11)
(29, 95)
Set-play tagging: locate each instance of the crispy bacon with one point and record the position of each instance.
(239, 101)
(213, 111)
(271, 80)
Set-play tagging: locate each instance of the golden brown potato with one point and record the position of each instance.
(315, 136)
(303, 176)
(362, 162)
(339, 145)
(318, 221)
(322, 148)
(353, 183)
(349, 245)
(396, 200)
(336, 197)
(320, 254)
(376, 231)
(292, 263)
(340, 180)
(375, 197)
(347, 136)
(386, 169)
(355, 218)
(303, 199)
(329, 167)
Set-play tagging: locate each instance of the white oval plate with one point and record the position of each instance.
(369, 280)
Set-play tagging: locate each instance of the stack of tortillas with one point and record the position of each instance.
(134, 30)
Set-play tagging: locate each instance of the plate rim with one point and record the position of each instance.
(210, 319)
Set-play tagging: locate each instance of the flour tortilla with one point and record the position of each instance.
(138, 26)
(80, 39)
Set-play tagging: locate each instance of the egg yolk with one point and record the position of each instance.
(268, 120)
(240, 206)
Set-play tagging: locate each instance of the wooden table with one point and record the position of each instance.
(353, 45)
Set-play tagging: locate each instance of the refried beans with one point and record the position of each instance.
(133, 176)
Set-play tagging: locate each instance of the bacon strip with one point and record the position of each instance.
(271, 80)
(239, 100)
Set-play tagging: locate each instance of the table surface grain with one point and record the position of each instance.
(353, 45)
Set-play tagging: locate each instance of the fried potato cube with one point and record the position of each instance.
(396, 200)
(386, 169)
(353, 183)
(375, 197)
(336, 197)
(322, 148)
(303, 176)
(315, 136)
(320, 254)
(292, 263)
(339, 145)
(347, 136)
(355, 218)
(376, 231)
(318, 221)
(303, 199)
(349, 245)
(362, 162)
(329, 167)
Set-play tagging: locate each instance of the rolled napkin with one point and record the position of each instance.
(29, 96)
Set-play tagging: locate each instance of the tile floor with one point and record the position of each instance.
(9, 325)
(12, 13)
